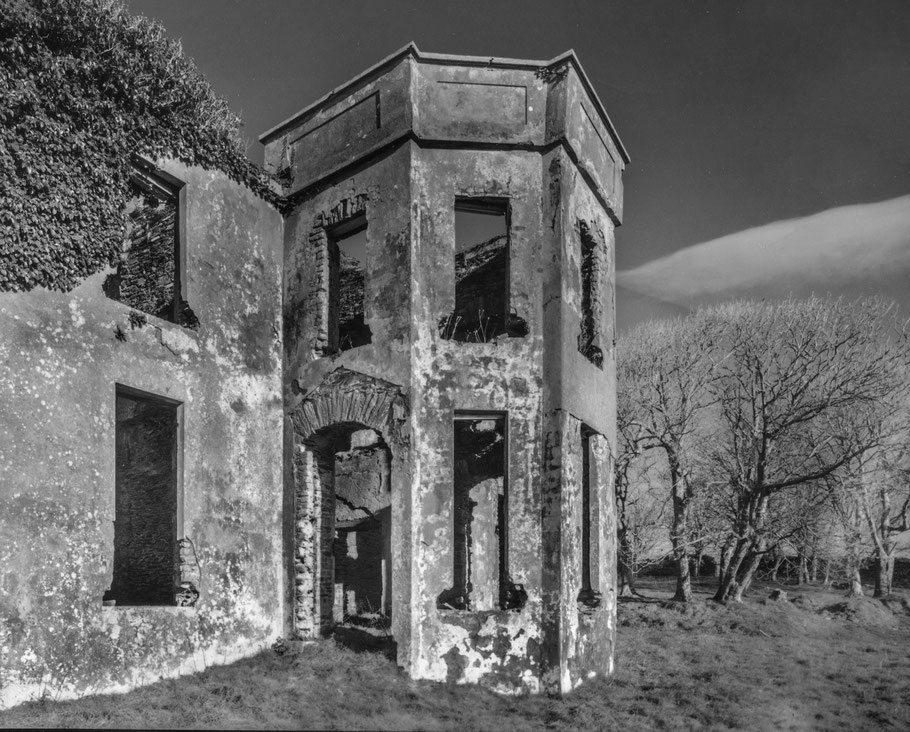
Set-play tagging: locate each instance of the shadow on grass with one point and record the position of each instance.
(366, 640)
(759, 665)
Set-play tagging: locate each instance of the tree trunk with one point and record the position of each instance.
(803, 574)
(737, 577)
(726, 587)
(683, 580)
(813, 563)
(745, 579)
(827, 580)
(856, 583)
(777, 562)
(679, 534)
(626, 575)
(723, 560)
(853, 563)
(699, 557)
(626, 581)
(884, 574)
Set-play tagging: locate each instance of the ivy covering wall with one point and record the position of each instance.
(84, 85)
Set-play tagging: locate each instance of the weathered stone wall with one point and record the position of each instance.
(61, 357)
(381, 195)
(361, 483)
(500, 648)
(401, 145)
(586, 629)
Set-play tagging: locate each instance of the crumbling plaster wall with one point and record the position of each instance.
(582, 639)
(59, 362)
(382, 193)
(538, 137)
(499, 648)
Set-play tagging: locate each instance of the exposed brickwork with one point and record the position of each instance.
(318, 292)
(307, 515)
(145, 277)
(189, 579)
(335, 483)
(345, 396)
(148, 274)
(326, 277)
(593, 271)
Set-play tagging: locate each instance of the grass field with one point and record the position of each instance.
(816, 662)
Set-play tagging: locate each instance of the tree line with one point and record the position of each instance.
(750, 431)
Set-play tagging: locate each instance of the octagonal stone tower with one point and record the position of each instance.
(450, 380)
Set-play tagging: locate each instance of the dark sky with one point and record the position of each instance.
(736, 114)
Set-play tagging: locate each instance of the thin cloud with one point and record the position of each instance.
(850, 250)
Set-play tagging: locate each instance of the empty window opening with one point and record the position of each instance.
(146, 499)
(347, 257)
(480, 510)
(149, 272)
(481, 273)
(588, 595)
(592, 304)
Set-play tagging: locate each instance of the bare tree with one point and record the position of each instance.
(791, 370)
(664, 369)
(849, 516)
(801, 518)
(639, 510)
(884, 499)
(707, 521)
(872, 492)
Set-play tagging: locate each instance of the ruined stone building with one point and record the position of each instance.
(390, 412)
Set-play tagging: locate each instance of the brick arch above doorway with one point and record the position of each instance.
(350, 397)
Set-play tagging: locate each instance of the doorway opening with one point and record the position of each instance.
(347, 499)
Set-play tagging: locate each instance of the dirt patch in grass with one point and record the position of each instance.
(762, 665)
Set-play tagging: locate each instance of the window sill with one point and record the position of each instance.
(169, 609)
(590, 602)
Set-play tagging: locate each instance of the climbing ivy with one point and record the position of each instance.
(83, 85)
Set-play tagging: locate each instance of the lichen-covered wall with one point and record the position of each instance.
(381, 194)
(273, 510)
(61, 356)
(498, 647)
(399, 145)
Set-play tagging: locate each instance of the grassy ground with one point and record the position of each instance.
(816, 662)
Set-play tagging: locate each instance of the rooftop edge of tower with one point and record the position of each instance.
(411, 50)
(452, 101)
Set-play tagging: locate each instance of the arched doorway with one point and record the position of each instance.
(348, 449)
